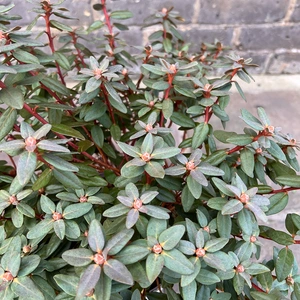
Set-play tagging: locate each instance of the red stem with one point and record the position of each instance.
(79, 54)
(235, 149)
(111, 113)
(207, 115)
(74, 146)
(51, 44)
(108, 24)
(284, 190)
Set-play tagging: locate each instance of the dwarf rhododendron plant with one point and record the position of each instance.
(114, 184)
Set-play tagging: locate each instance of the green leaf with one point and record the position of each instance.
(251, 120)
(156, 227)
(97, 135)
(276, 151)
(77, 210)
(118, 241)
(163, 153)
(88, 280)
(68, 179)
(28, 264)
(96, 237)
(154, 169)
(240, 90)
(115, 98)
(117, 271)
(121, 14)
(59, 163)
(284, 264)
(207, 277)
(238, 283)
(25, 288)
(189, 291)
(7, 121)
(200, 134)
(187, 279)
(215, 244)
(11, 261)
(12, 96)
(51, 146)
(40, 229)
(59, 228)
(224, 225)
(62, 60)
(167, 45)
(240, 140)
(207, 169)
(160, 85)
(78, 257)
(60, 26)
(67, 130)
(131, 254)
(177, 262)
(289, 180)
(72, 229)
(25, 57)
(115, 132)
(25, 210)
(42, 180)
(130, 150)
(262, 296)
(247, 162)
(68, 283)
(195, 188)
(218, 260)
(154, 69)
(154, 265)
(281, 237)
(167, 108)
(182, 120)
(232, 207)
(256, 268)
(277, 203)
(170, 237)
(185, 92)
(56, 86)
(26, 166)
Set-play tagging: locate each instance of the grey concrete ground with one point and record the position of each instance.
(280, 97)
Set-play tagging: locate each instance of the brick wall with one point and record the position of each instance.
(266, 30)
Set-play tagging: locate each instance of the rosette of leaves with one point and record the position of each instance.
(194, 170)
(29, 147)
(242, 198)
(59, 218)
(133, 204)
(144, 128)
(162, 242)
(21, 208)
(99, 73)
(242, 271)
(102, 266)
(149, 157)
(204, 250)
(143, 106)
(16, 271)
(286, 270)
(89, 195)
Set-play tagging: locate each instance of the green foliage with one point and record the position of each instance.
(117, 186)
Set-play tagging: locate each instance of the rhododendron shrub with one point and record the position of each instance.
(115, 185)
